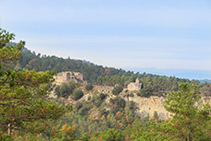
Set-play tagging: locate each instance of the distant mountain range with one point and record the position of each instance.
(205, 80)
(203, 75)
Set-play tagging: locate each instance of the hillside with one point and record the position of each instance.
(100, 109)
(106, 76)
(31, 60)
(65, 85)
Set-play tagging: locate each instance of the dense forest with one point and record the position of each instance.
(26, 112)
(30, 60)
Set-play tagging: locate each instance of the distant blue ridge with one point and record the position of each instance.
(202, 75)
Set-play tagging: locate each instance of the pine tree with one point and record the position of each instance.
(23, 94)
(189, 121)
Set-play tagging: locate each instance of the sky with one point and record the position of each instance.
(169, 37)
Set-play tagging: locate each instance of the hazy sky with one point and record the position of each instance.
(160, 34)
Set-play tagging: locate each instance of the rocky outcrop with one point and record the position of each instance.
(65, 77)
(147, 106)
(134, 86)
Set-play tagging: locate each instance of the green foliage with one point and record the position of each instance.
(84, 110)
(89, 87)
(123, 80)
(117, 90)
(146, 91)
(85, 137)
(77, 94)
(155, 115)
(118, 104)
(189, 122)
(112, 135)
(65, 90)
(102, 96)
(98, 100)
(23, 94)
(78, 105)
(29, 60)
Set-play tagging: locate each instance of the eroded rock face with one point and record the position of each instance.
(147, 106)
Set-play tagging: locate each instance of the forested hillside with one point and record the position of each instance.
(95, 74)
(90, 71)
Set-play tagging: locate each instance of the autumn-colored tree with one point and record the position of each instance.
(23, 94)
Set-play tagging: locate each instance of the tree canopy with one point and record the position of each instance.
(190, 120)
(23, 94)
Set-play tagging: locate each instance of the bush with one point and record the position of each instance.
(85, 137)
(118, 104)
(77, 94)
(89, 87)
(102, 96)
(78, 105)
(146, 92)
(117, 90)
(72, 86)
(112, 135)
(103, 112)
(84, 110)
(98, 100)
(131, 95)
(65, 90)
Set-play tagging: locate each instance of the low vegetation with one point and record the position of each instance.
(77, 94)
(117, 90)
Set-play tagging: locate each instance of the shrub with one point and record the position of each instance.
(102, 96)
(89, 87)
(117, 90)
(85, 137)
(84, 110)
(131, 95)
(103, 112)
(78, 105)
(98, 100)
(145, 92)
(77, 94)
(112, 135)
(65, 90)
(118, 104)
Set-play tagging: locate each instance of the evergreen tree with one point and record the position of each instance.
(23, 94)
(189, 121)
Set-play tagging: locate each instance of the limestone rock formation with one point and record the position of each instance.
(134, 86)
(65, 77)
